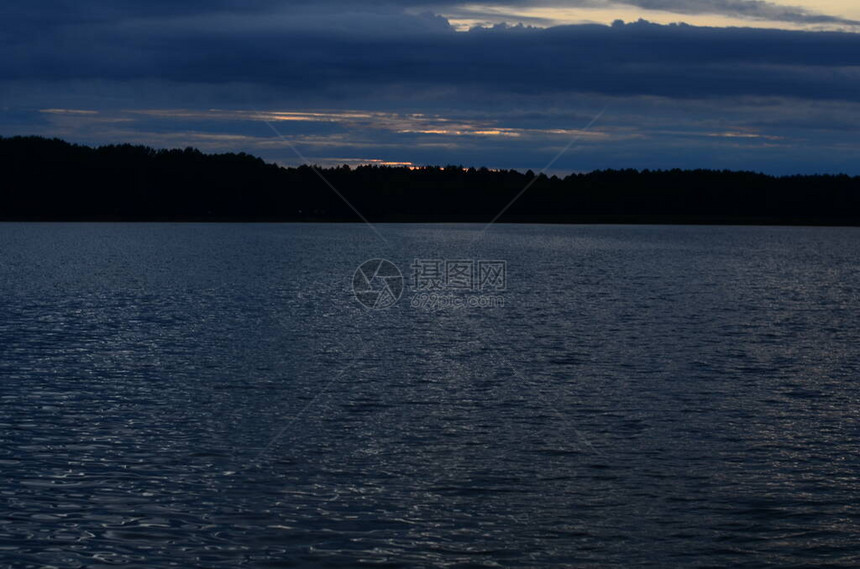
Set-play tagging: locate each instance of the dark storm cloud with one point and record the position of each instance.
(332, 52)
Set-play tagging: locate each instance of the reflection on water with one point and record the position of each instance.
(214, 396)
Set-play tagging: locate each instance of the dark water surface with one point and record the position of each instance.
(214, 396)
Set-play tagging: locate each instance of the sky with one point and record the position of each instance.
(548, 85)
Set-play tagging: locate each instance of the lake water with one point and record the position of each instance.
(181, 395)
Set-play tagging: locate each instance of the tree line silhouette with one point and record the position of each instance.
(50, 179)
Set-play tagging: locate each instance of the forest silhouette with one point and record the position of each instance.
(53, 180)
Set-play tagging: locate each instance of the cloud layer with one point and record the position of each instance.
(487, 96)
(420, 52)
